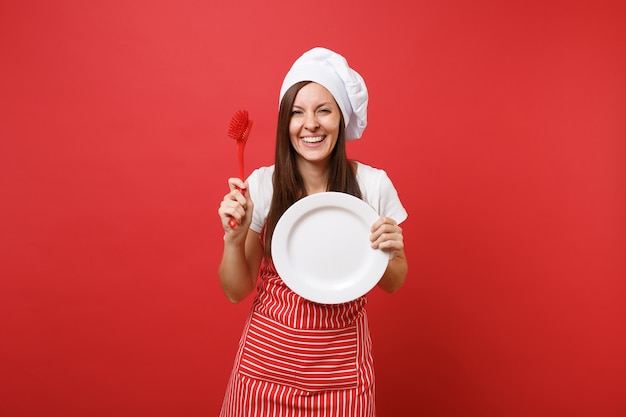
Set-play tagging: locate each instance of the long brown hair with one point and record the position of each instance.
(287, 181)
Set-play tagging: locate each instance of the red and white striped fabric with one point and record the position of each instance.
(297, 358)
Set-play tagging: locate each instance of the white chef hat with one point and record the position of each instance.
(331, 70)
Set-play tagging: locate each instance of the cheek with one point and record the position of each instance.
(293, 136)
(294, 142)
(336, 122)
(335, 128)
(293, 129)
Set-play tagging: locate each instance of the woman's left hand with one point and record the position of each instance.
(387, 235)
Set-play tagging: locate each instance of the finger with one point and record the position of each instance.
(238, 196)
(227, 210)
(387, 236)
(386, 240)
(385, 229)
(383, 221)
(237, 183)
(235, 207)
(231, 221)
(379, 222)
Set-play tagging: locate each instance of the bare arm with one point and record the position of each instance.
(243, 252)
(395, 274)
(387, 235)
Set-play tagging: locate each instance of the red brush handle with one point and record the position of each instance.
(232, 222)
(240, 146)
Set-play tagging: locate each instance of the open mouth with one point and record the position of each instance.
(312, 139)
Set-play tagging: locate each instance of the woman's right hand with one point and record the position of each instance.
(236, 205)
(241, 258)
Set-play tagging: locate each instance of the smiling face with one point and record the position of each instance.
(314, 124)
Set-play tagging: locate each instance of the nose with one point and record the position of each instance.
(311, 122)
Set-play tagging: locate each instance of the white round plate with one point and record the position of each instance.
(322, 251)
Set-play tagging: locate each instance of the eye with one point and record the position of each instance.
(324, 110)
(295, 112)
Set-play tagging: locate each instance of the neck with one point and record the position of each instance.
(314, 176)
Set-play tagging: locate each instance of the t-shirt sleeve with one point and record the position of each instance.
(390, 204)
(380, 193)
(260, 185)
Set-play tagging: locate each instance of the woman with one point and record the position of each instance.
(297, 357)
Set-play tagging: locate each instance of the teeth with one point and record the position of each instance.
(313, 139)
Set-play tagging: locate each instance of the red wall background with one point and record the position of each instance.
(501, 123)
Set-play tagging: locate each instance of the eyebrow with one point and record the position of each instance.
(326, 103)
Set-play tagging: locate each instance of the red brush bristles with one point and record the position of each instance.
(240, 126)
(239, 130)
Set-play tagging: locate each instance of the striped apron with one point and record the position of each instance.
(299, 358)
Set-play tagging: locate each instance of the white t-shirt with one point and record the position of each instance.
(376, 189)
